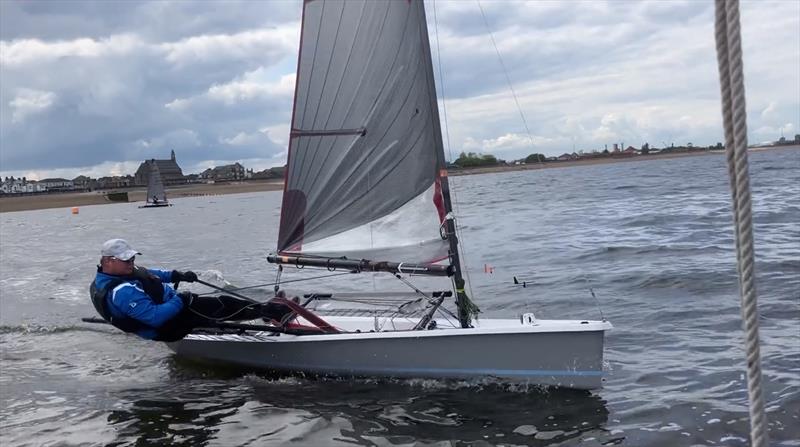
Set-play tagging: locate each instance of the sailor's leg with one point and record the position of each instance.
(225, 308)
(231, 308)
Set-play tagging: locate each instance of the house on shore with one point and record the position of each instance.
(227, 173)
(56, 184)
(11, 185)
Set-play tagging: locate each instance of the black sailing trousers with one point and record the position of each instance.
(207, 311)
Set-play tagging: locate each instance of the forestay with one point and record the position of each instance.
(365, 155)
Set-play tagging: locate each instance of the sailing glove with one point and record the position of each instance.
(187, 276)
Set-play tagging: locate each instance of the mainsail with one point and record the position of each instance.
(365, 168)
(155, 187)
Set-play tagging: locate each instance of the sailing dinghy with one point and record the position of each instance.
(366, 192)
(156, 196)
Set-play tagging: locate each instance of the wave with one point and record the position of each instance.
(703, 280)
(615, 250)
(33, 329)
(777, 168)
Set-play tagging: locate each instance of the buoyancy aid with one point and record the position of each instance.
(151, 284)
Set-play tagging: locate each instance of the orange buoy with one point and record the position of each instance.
(74, 210)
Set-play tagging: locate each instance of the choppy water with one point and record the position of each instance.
(653, 239)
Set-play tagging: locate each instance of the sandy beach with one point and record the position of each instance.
(65, 200)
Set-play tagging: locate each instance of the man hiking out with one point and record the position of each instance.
(141, 301)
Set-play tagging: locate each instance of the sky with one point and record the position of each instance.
(95, 88)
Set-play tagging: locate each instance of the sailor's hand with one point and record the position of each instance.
(187, 276)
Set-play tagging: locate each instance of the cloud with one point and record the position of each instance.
(508, 143)
(769, 111)
(30, 102)
(247, 45)
(250, 87)
(100, 99)
(34, 51)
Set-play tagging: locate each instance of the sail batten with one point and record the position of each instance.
(325, 133)
(364, 155)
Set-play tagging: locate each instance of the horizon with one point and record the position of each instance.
(91, 90)
(653, 150)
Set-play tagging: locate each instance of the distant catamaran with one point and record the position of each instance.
(156, 196)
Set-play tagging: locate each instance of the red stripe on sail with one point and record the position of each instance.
(438, 199)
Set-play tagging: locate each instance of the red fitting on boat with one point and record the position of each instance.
(313, 318)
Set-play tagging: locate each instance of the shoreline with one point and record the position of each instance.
(137, 194)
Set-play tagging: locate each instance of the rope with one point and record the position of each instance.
(729, 58)
(441, 81)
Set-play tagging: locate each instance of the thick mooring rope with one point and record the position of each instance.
(729, 58)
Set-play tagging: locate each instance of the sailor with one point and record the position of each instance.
(141, 301)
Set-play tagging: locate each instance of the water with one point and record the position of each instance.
(653, 240)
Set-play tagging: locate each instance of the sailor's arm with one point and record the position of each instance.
(163, 275)
(134, 303)
(174, 275)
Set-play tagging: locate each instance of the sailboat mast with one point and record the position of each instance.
(462, 301)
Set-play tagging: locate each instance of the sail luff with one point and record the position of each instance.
(322, 87)
(286, 210)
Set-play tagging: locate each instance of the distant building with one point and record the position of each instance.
(11, 185)
(565, 157)
(84, 182)
(631, 151)
(115, 182)
(228, 172)
(278, 172)
(171, 173)
(56, 184)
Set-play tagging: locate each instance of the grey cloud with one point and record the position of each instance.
(108, 100)
(156, 20)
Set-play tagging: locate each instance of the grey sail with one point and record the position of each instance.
(155, 187)
(365, 153)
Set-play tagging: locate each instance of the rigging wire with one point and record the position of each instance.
(441, 82)
(505, 71)
(235, 289)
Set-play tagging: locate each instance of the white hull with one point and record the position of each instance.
(562, 353)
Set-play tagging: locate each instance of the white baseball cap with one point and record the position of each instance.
(119, 249)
